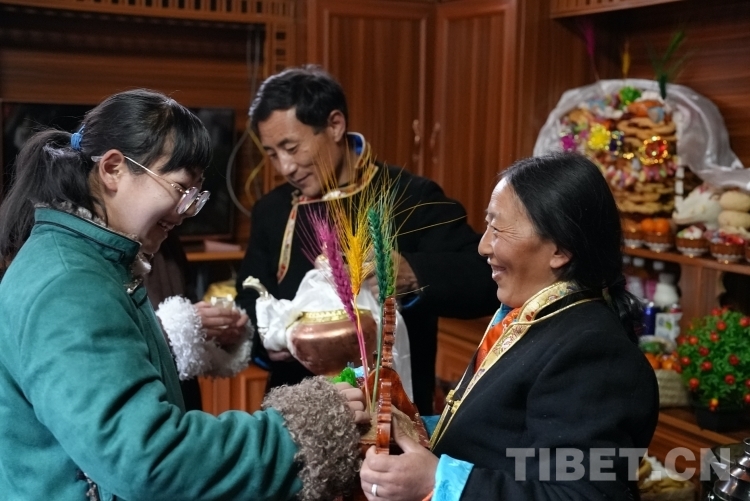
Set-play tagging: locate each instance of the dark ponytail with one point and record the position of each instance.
(628, 308)
(569, 203)
(47, 169)
(142, 124)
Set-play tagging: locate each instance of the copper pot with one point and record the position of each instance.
(326, 341)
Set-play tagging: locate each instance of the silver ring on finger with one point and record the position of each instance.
(374, 490)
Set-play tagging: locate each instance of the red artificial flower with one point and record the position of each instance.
(714, 358)
(716, 312)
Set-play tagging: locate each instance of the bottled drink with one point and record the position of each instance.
(649, 318)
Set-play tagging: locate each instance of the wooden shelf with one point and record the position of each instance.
(677, 427)
(741, 267)
(202, 256)
(566, 8)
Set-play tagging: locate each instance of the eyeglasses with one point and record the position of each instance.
(192, 200)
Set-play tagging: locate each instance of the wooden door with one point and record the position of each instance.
(378, 50)
(472, 135)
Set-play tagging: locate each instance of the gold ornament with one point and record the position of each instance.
(653, 151)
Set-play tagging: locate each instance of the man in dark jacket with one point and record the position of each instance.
(300, 116)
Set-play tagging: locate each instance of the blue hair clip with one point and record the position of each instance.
(75, 139)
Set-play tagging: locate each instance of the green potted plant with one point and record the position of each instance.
(714, 360)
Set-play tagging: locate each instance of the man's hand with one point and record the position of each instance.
(406, 280)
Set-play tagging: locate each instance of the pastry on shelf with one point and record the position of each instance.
(691, 242)
(632, 234)
(727, 247)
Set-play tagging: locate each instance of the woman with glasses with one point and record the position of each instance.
(90, 404)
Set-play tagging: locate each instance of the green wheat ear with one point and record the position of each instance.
(382, 251)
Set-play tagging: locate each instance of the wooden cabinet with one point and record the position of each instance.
(457, 342)
(244, 391)
(451, 90)
(430, 85)
(474, 104)
(378, 50)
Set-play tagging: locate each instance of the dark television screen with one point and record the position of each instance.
(21, 120)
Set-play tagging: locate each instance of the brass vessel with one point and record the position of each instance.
(326, 341)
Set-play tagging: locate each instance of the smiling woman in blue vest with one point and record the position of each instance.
(90, 403)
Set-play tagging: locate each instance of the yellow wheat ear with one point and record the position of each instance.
(350, 225)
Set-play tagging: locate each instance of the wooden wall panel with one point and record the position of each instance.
(701, 288)
(215, 10)
(36, 76)
(378, 51)
(551, 59)
(474, 103)
(561, 8)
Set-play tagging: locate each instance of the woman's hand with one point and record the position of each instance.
(224, 325)
(355, 398)
(408, 477)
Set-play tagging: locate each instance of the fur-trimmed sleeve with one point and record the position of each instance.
(322, 426)
(194, 354)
